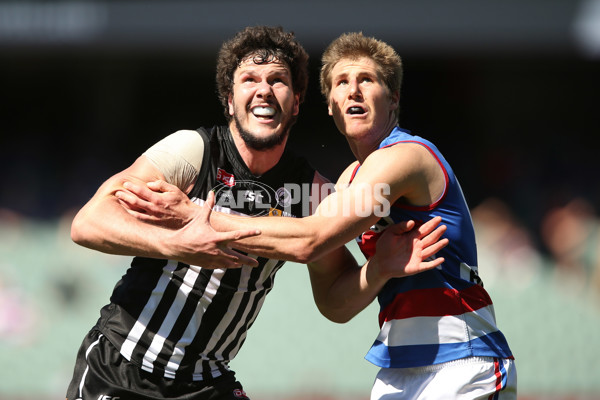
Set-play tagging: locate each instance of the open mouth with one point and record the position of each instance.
(264, 112)
(355, 110)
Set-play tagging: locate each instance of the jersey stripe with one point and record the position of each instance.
(147, 313)
(427, 354)
(169, 323)
(435, 302)
(162, 315)
(435, 330)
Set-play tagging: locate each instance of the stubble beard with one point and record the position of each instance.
(263, 143)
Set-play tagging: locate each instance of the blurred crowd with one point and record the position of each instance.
(567, 244)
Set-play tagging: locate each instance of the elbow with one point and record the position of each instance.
(336, 316)
(79, 234)
(339, 320)
(76, 232)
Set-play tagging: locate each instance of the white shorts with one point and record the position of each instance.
(469, 378)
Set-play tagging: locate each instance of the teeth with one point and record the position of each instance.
(355, 110)
(263, 111)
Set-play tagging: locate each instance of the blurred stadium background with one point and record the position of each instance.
(508, 90)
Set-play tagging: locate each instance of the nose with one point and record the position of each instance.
(264, 90)
(354, 89)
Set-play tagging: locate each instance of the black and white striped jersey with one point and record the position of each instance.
(187, 322)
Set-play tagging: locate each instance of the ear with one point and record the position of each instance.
(329, 109)
(296, 109)
(230, 104)
(394, 100)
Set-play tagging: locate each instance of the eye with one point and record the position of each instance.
(280, 80)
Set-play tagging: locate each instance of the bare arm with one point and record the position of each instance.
(402, 171)
(104, 224)
(341, 289)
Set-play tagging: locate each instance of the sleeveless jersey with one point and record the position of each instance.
(442, 314)
(186, 322)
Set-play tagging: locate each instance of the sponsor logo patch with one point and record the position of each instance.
(225, 177)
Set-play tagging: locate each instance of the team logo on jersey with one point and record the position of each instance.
(225, 177)
(248, 197)
(284, 197)
(240, 394)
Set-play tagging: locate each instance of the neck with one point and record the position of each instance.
(257, 161)
(365, 144)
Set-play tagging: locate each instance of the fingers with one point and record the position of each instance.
(210, 200)
(162, 186)
(207, 207)
(427, 265)
(241, 259)
(229, 237)
(434, 236)
(238, 235)
(131, 201)
(401, 227)
(429, 226)
(432, 243)
(433, 249)
(140, 191)
(226, 258)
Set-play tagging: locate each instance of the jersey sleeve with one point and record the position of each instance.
(178, 157)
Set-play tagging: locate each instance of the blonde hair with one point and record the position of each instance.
(355, 45)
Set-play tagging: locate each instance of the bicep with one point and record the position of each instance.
(358, 203)
(141, 171)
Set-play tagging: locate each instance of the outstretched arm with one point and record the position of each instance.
(387, 175)
(301, 240)
(104, 224)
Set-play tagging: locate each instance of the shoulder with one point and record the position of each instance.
(184, 141)
(401, 158)
(178, 157)
(185, 144)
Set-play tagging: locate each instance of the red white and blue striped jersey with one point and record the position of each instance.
(443, 314)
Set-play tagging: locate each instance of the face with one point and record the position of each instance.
(262, 103)
(359, 101)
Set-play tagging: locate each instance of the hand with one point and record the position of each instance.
(157, 202)
(190, 237)
(404, 249)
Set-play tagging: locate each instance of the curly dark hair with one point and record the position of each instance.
(265, 44)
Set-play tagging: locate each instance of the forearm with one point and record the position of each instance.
(299, 239)
(105, 226)
(353, 290)
(281, 238)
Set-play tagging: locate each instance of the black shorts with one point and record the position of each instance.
(101, 373)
